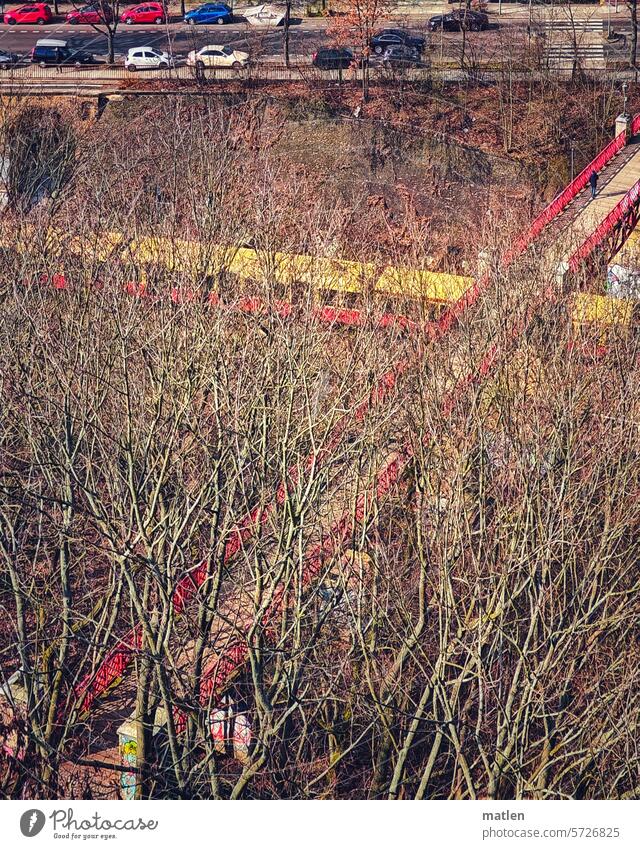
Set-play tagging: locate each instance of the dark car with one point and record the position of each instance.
(332, 58)
(461, 19)
(7, 60)
(52, 52)
(389, 37)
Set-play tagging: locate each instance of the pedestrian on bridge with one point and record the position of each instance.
(593, 182)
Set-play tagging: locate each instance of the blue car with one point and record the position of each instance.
(210, 13)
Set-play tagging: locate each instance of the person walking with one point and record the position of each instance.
(593, 182)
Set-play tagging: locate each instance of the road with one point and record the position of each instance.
(265, 43)
(180, 37)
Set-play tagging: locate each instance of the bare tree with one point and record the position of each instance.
(632, 5)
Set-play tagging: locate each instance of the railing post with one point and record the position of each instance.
(562, 270)
(623, 125)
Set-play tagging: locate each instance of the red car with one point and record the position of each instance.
(90, 15)
(145, 13)
(30, 13)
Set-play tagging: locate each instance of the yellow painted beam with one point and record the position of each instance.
(327, 274)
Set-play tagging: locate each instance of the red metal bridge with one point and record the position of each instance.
(569, 232)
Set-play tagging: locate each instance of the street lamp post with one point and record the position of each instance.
(572, 146)
(624, 99)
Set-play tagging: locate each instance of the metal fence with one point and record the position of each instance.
(105, 75)
(263, 71)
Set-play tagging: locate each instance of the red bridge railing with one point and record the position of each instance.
(618, 213)
(116, 661)
(551, 211)
(561, 201)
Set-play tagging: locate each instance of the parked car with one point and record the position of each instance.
(217, 56)
(30, 13)
(53, 51)
(386, 37)
(143, 58)
(332, 58)
(7, 60)
(399, 56)
(210, 13)
(145, 13)
(90, 15)
(458, 20)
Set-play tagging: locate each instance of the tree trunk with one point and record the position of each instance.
(144, 718)
(286, 23)
(110, 46)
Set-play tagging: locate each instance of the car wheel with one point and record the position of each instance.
(158, 21)
(377, 50)
(11, 21)
(237, 66)
(78, 64)
(131, 67)
(219, 21)
(128, 21)
(475, 27)
(163, 66)
(43, 64)
(72, 22)
(4, 67)
(40, 21)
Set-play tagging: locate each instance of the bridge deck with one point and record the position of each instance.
(583, 215)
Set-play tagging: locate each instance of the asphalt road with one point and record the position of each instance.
(262, 43)
(181, 37)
